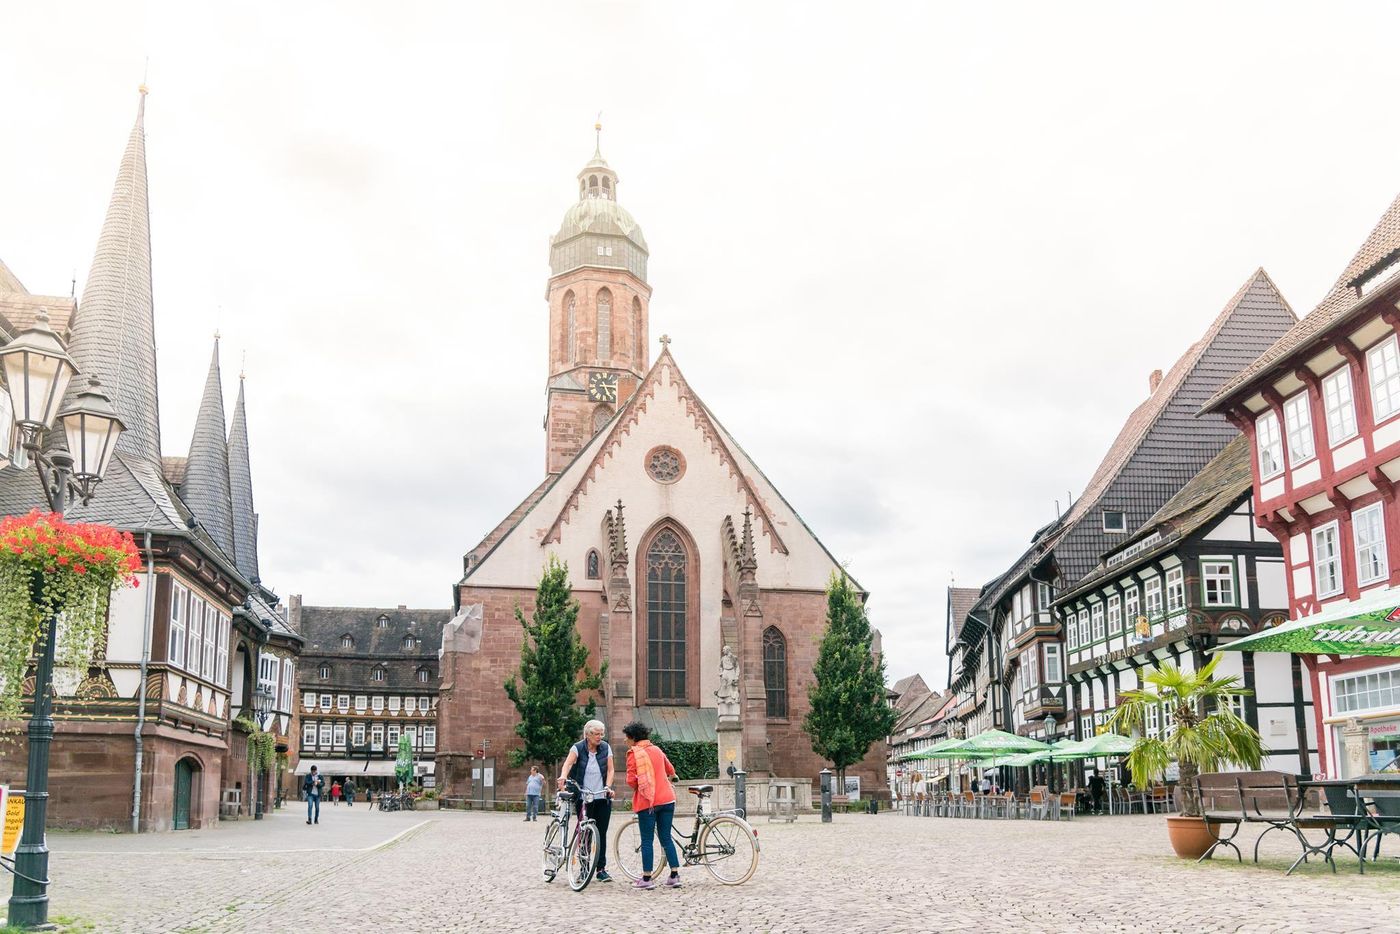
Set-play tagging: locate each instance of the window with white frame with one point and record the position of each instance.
(1341, 412)
(308, 734)
(1030, 670)
(194, 648)
(1071, 630)
(1368, 529)
(1115, 520)
(1130, 606)
(325, 735)
(1369, 691)
(377, 675)
(267, 674)
(1152, 597)
(1168, 720)
(377, 705)
(1152, 721)
(1297, 424)
(179, 602)
(1115, 613)
(382, 622)
(339, 739)
(1327, 561)
(308, 700)
(288, 676)
(1043, 595)
(325, 702)
(1086, 727)
(211, 641)
(342, 702)
(357, 734)
(1269, 445)
(394, 704)
(221, 662)
(412, 733)
(1053, 668)
(1096, 620)
(347, 641)
(429, 737)
(423, 676)
(1236, 703)
(1085, 637)
(361, 702)
(425, 704)
(376, 734)
(393, 734)
(1217, 582)
(324, 672)
(1383, 367)
(1176, 590)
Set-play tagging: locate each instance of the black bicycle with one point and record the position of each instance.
(723, 842)
(576, 852)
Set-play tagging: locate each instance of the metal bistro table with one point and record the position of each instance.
(1365, 791)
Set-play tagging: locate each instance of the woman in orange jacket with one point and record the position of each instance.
(649, 773)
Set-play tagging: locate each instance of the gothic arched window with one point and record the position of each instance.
(570, 329)
(666, 619)
(638, 337)
(604, 324)
(775, 671)
(592, 565)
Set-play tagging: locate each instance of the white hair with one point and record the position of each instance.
(594, 725)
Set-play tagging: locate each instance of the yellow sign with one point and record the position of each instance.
(14, 823)
(1144, 629)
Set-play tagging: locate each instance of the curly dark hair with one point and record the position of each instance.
(636, 731)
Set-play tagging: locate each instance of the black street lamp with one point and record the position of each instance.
(262, 709)
(37, 371)
(1050, 726)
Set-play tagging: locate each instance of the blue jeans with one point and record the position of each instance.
(532, 806)
(658, 820)
(313, 806)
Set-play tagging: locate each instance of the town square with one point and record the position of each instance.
(927, 467)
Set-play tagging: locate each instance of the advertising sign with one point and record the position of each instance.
(853, 787)
(14, 822)
(1142, 628)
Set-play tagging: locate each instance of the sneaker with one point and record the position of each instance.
(308, 822)
(644, 884)
(672, 882)
(603, 876)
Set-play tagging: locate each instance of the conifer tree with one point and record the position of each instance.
(848, 707)
(553, 672)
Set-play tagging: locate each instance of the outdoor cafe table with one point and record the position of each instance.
(1366, 788)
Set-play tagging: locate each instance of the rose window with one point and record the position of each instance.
(664, 465)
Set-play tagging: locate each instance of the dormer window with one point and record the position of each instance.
(377, 675)
(383, 622)
(409, 643)
(325, 672)
(1115, 520)
(347, 641)
(423, 675)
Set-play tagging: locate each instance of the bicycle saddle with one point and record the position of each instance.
(702, 789)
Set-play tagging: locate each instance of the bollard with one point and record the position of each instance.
(741, 792)
(826, 796)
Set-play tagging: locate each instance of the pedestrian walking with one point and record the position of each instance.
(349, 790)
(590, 765)
(649, 773)
(311, 788)
(534, 788)
(1096, 791)
(335, 794)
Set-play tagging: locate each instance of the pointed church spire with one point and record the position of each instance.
(206, 487)
(114, 330)
(245, 527)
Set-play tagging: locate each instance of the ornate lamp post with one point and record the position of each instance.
(37, 371)
(262, 709)
(1050, 726)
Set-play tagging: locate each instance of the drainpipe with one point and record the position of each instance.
(141, 689)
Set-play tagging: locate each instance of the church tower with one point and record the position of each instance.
(598, 305)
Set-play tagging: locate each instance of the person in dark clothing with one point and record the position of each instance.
(312, 789)
(1096, 791)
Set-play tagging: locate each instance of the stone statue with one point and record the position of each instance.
(728, 693)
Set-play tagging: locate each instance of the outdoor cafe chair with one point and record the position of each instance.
(1386, 819)
(1067, 805)
(1037, 804)
(968, 807)
(1161, 799)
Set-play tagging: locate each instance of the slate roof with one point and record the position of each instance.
(961, 600)
(1219, 486)
(206, 488)
(1339, 304)
(323, 626)
(114, 329)
(245, 519)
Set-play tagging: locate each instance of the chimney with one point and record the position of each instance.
(1154, 381)
(403, 606)
(294, 612)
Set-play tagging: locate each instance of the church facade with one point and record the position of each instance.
(677, 544)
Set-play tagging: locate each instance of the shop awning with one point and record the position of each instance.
(1369, 626)
(380, 768)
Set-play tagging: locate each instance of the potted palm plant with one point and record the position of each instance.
(1205, 735)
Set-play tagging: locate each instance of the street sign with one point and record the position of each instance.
(14, 822)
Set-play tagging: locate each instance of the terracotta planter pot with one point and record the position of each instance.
(1189, 836)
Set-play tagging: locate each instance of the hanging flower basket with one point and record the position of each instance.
(52, 569)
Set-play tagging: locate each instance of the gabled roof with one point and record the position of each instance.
(1341, 301)
(961, 600)
(323, 626)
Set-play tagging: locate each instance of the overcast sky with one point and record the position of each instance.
(919, 258)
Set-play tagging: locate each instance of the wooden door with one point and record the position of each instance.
(184, 786)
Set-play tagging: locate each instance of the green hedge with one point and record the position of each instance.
(692, 760)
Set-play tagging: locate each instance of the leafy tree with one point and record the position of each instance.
(1198, 741)
(553, 672)
(849, 711)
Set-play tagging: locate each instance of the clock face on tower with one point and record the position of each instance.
(602, 387)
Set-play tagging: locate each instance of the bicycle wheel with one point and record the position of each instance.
(553, 853)
(729, 849)
(626, 851)
(583, 856)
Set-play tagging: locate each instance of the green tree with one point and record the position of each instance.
(1199, 741)
(553, 672)
(847, 698)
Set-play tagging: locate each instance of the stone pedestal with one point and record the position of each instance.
(731, 746)
(1356, 749)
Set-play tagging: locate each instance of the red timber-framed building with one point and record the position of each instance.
(1321, 408)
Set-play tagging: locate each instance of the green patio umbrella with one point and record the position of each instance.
(1000, 743)
(1370, 626)
(1106, 744)
(936, 751)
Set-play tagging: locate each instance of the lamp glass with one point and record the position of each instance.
(92, 440)
(7, 429)
(37, 382)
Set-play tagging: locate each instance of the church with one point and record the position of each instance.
(677, 545)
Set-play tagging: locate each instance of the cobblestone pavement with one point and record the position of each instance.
(450, 871)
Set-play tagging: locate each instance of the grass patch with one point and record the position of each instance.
(65, 924)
